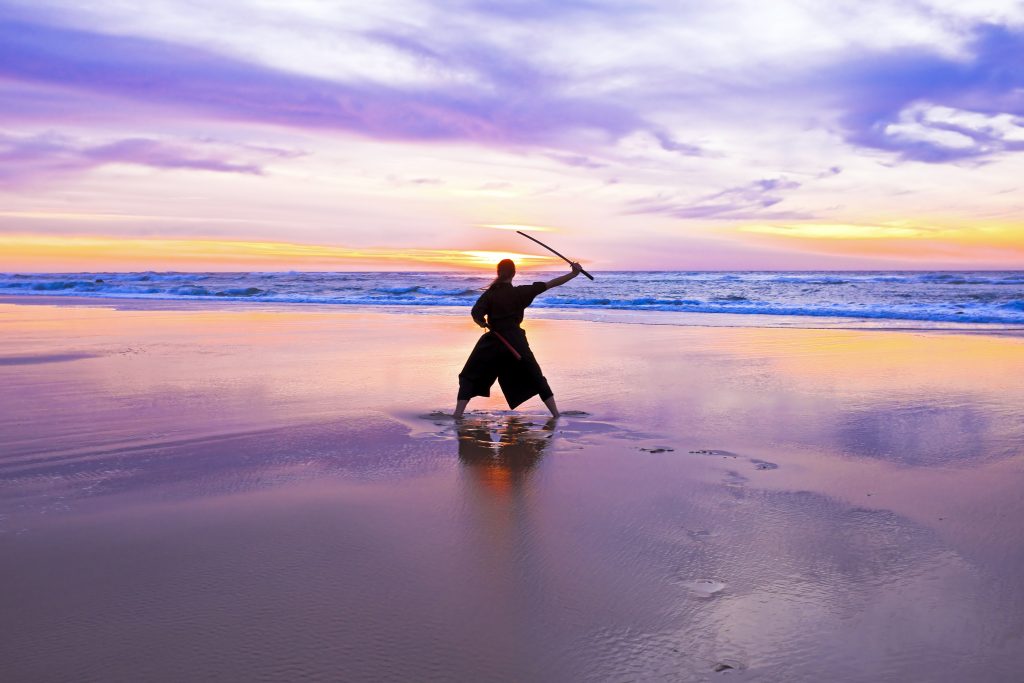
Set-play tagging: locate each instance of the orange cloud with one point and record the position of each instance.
(999, 244)
(36, 252)
(516, 227)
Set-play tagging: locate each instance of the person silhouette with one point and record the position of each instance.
(500, 310)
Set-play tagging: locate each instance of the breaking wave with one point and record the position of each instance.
(978, 297)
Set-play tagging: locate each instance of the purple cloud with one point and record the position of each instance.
(745, 201)
(40, 157)
(577, 160)
(521, 105)
(160, 155)
(885, 95)
(671, 145)
(542, 10)
(395, 180)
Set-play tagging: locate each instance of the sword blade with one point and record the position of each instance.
(553, 252)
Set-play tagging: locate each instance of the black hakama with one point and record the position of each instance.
(491, 360)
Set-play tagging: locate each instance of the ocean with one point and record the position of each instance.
(938, 299)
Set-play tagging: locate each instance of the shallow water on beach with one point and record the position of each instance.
(278, 496)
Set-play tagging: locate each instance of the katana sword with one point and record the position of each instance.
(553, 252)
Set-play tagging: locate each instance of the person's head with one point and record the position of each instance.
(506, 271)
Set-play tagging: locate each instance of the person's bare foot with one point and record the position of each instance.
(550, 403)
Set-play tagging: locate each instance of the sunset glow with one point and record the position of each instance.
(748, 136)
(840, 232)
(42, 253)
(524, 228)
(999, 245)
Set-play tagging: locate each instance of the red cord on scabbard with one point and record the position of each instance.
(505, 342)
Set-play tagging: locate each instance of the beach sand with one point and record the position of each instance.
(232, 492)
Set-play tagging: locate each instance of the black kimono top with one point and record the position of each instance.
(504, 304)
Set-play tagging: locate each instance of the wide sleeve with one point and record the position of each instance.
(527, 293)
(481, 308)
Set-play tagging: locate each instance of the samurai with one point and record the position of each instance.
(500, 311)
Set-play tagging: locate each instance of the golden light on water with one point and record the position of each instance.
(38, 252)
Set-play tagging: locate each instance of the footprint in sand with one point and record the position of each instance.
(704, 588)
(734, 478)
(764, 464)
(714, 451)
(727, 665)
(758, 464)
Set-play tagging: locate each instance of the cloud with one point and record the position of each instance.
(517, 227)
(933, 108)
(934, 133)
(536, 94)
(577, 160)
(671, 145)
(397, 180)
(145, 152)
(24, 160)
(832, 231)
(513, 104)
(742, 202)
(546, 10)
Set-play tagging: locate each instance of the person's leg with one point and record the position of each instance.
(534, 381)
(550, 403)
(477, 376)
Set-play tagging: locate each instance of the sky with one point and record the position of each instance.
(403, 135)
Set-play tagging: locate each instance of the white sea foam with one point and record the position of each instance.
(979, 297)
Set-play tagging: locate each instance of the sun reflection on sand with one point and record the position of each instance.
(502, 466)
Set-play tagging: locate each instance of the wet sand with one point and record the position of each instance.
(244, 493)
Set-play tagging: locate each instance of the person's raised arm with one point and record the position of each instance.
(562, 279)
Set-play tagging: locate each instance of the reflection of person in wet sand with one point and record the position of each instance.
(506, 462)
(500, 308)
